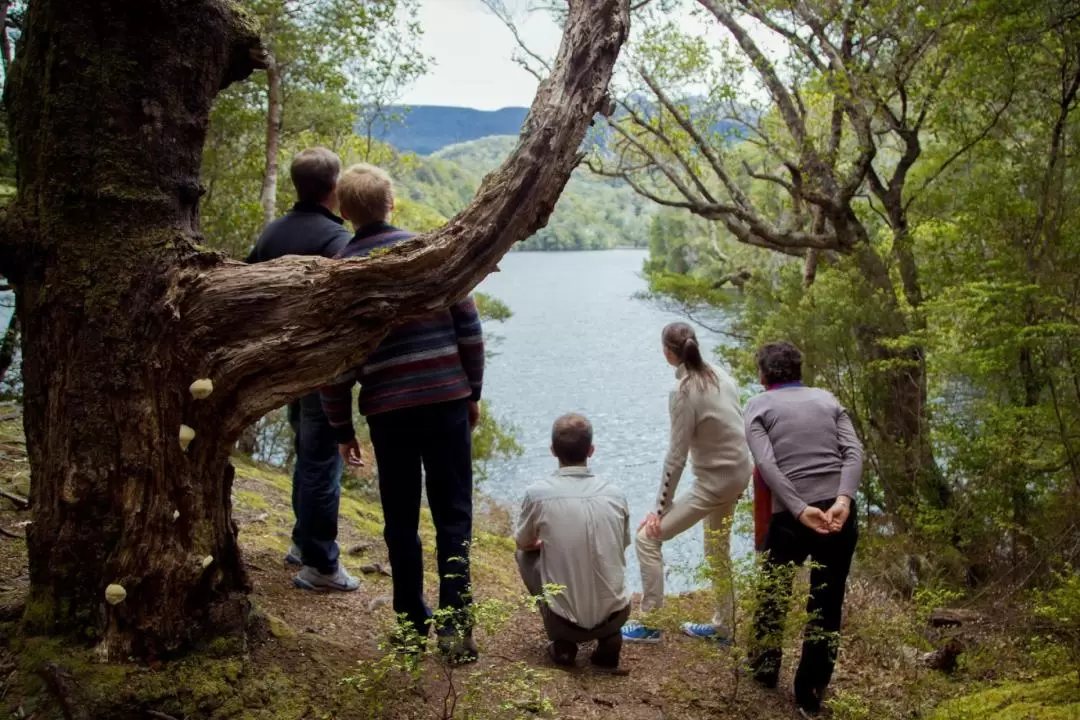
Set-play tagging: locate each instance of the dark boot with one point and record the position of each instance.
(607, 652)
(458, 648)
(562, 652)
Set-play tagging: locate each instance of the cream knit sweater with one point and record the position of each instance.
(706, 424)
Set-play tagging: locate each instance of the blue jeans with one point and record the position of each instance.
(316, 485)
(438, 439)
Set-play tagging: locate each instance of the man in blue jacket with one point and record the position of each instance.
(312, 227)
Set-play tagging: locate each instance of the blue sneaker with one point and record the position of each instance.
(635, 632)
(706, 631)
(293, 556)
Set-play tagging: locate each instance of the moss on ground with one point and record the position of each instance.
(1052, 699)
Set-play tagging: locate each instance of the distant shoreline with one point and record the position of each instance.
(578, 250)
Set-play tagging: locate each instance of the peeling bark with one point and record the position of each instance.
(121, 312)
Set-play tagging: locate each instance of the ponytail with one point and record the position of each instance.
(681, 340)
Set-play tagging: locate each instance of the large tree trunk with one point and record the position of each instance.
(120, 311)
(897, 406)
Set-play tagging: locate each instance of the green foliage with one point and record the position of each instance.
(977, 284)
(408, 663)
(493, 439)
(1059, 607)
(342, 63)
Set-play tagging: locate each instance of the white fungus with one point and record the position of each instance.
(186, 436)
(201, 389)
(115, 594)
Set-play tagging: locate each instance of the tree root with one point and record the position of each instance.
(64, 688)
(18, 500)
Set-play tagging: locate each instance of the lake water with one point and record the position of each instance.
(579, 341)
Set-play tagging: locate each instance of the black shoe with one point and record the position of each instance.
(562, 652)
(458, 649)
(768, 681)
(808, 700)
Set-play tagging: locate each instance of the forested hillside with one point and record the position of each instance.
(425, 129)
(593, 212)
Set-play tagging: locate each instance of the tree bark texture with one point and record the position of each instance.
(121, 311)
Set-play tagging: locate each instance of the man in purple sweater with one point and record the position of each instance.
(420, 392)
(807, 452)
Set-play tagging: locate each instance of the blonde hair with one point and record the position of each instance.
(365, 194)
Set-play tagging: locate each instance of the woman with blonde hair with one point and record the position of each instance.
(707, 426)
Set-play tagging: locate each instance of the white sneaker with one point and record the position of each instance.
(311, 579)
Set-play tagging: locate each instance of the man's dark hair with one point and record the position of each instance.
(314, 174)
(779, 362)
(571, 439)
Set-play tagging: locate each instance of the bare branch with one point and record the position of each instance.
(499, 10)
(702, 144)
(765, 69)
(695, 177)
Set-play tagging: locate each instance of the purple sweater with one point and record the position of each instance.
(804, 446)
(434, 359)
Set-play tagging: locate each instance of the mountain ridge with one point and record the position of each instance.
(426, 129)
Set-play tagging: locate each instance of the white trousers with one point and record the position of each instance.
(711, 498)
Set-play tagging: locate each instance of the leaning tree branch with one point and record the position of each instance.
(268, 333)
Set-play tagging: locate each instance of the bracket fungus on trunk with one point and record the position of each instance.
(201, 389)
(115, 594)
(186, 436)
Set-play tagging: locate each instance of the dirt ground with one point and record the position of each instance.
(320, 655)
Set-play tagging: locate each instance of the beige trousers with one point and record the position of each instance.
(711, 498)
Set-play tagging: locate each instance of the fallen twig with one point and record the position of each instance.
(7, 533)
(374, 569)
(159, 715)
(18, 500)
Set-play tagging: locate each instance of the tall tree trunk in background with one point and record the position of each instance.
(120, 310)
(5, 39)
(268, 199)
(897, 407)
(9, 345)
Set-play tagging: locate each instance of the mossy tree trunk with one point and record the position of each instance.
(120, 310)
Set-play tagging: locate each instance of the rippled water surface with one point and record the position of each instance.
(580, 342)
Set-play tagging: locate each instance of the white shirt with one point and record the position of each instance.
(584, 523)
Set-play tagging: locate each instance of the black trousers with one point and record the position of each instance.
(561, 630)
(788, 544)
(432, 442)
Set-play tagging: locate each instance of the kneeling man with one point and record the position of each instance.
(573, 533)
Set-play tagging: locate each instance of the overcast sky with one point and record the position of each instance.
(473, 52)
(473, 56)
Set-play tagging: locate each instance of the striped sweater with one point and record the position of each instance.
(434, 359)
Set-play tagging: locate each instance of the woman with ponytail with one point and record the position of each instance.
(707, 425)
